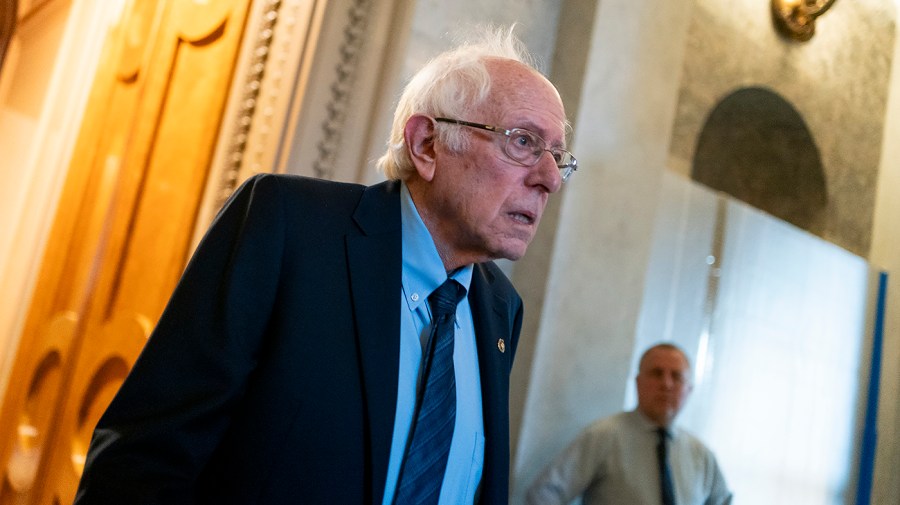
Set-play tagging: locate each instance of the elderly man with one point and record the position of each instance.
(638, 457)
(335, 343)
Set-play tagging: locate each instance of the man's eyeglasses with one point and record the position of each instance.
(525, 147)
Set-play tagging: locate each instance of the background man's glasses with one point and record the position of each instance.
(525, 147)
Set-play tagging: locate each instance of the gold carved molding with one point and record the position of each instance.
(248, 93)
(341, 88)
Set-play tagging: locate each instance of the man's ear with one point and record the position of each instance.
(419, 135)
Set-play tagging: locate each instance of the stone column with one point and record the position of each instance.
(585, 341)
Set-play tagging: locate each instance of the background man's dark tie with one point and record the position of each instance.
(426, 456)
(665, 475)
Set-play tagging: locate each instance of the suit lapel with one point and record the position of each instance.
(490, 315)
(374, 258)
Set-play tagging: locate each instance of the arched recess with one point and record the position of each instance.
(756, 147)
(8, 14)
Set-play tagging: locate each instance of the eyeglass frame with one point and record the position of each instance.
(565, 170)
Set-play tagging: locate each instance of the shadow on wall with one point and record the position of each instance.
(756, 147)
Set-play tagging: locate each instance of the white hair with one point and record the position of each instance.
(450, 85)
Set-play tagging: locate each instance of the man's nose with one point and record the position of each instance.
(546, 173)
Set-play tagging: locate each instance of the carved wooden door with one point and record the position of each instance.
(122, 233)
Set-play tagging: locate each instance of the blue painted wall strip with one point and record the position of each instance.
(870, 429)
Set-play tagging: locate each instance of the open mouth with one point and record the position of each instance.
(522, 217)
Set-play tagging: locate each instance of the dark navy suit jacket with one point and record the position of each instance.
(272, 374)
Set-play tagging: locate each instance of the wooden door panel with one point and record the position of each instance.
(124, 226)
(155, 206)
(177, 163)
(56, 317)
(33, 421)
(99, 372)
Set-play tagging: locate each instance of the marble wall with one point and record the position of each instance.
(837, 81)
(585, 339)
(637, 117)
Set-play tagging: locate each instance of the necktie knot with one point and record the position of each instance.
(445, 298)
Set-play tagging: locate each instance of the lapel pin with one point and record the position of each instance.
(501, 345)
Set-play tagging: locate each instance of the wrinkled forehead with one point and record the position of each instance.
(521, 92)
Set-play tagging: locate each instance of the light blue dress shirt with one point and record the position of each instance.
(423, 272)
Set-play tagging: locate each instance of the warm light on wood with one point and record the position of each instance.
(121, 236)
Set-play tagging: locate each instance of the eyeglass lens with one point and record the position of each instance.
(527, 147)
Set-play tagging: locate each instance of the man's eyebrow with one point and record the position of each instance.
(528, 124)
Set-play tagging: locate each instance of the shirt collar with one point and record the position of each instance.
(649, 425)
(423, 270)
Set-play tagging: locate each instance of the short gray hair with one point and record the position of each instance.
(663, 345)
(450, 85)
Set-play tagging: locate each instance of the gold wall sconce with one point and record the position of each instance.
(797, 18)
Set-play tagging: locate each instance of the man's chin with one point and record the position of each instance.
(514, 249)
(515, 255)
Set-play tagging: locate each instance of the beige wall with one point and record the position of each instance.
(630, 107)
(885, 254)
(837, 81)
(585, 341)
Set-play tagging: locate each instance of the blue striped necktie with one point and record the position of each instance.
(426, 455)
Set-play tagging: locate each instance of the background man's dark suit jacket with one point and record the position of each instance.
(272, 374)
